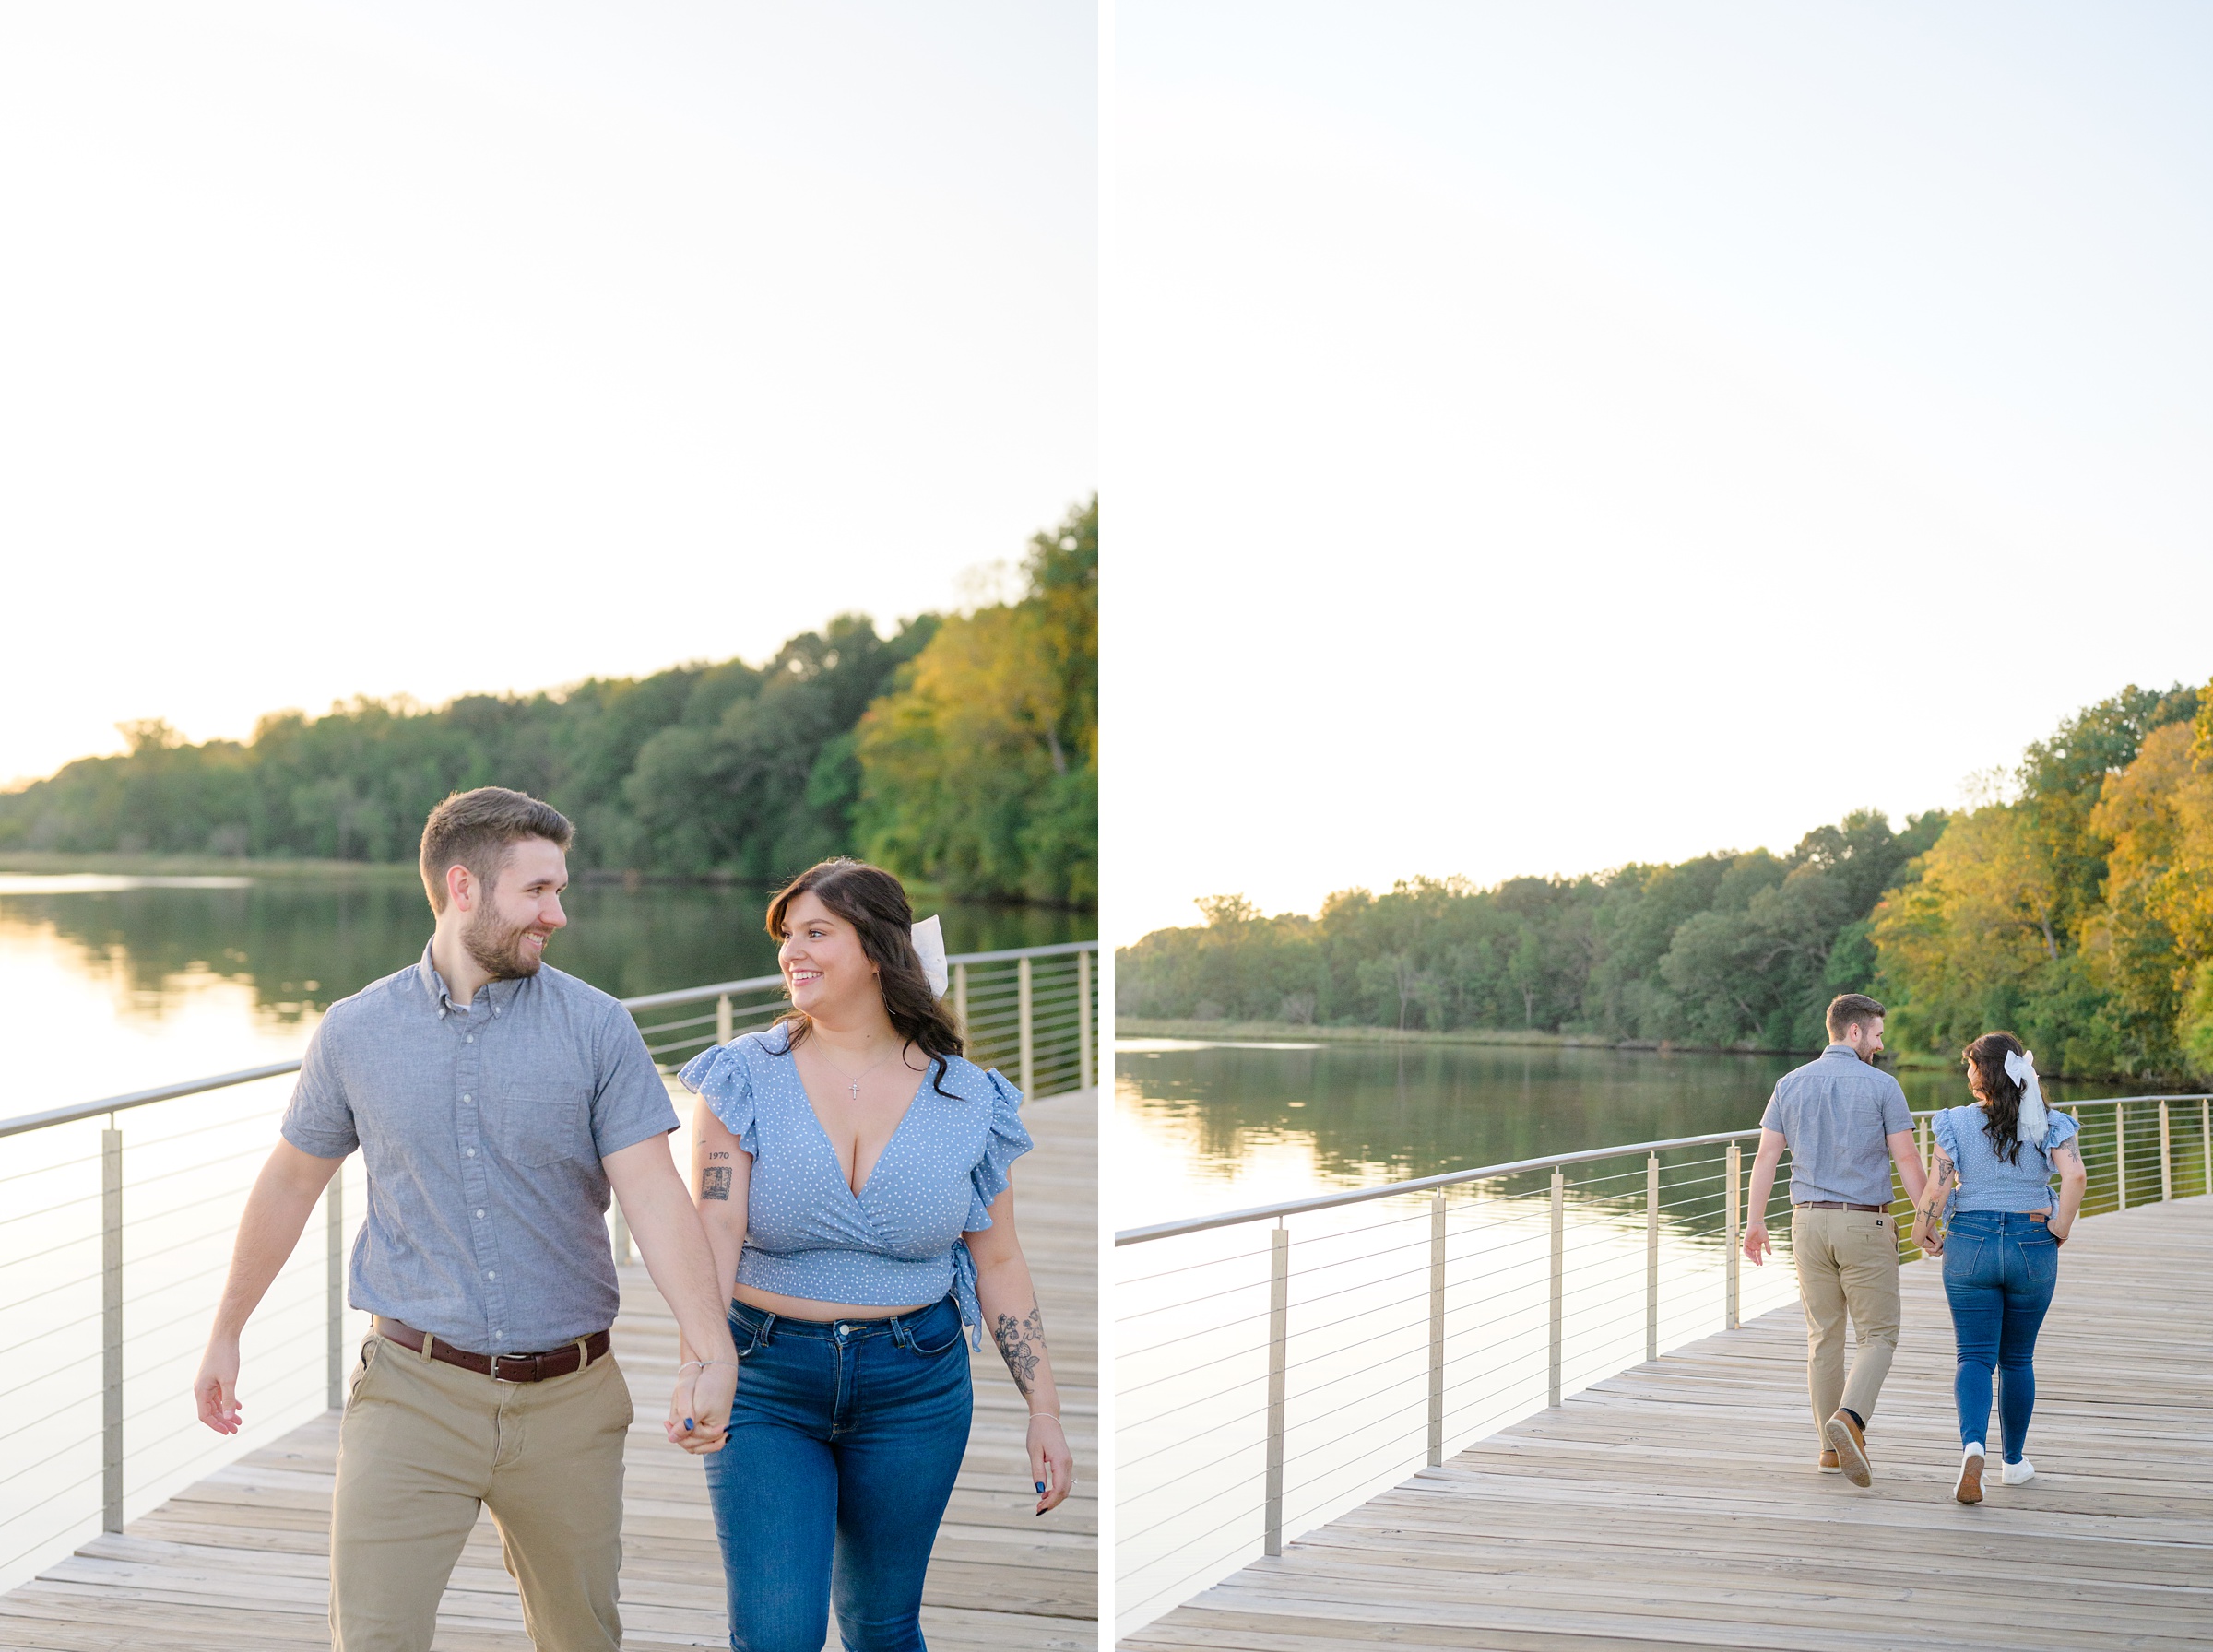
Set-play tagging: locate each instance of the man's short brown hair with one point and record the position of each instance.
(1849, 1010)
(477, 828)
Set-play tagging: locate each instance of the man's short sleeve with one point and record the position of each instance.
(319, 1122)
(631, 1103)
(1772, 1118)
(1896, 1114)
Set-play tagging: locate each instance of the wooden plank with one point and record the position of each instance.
(1677, 1503)
(240, 1558)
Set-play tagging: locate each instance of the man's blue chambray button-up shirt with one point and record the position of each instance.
(483, 1131)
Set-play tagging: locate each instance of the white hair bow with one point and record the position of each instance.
(2035, 1122)
(929, 946)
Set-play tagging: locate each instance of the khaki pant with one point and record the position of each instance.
(1847, 1262)
(422, 1444)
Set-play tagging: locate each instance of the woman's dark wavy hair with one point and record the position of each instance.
(875, 903)
(1985, 1061)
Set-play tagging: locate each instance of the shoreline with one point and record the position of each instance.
(114, 863)
(1294, 1032)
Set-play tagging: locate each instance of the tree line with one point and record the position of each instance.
(2078, 911)
(960, 750)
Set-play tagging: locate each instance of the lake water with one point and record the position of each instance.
(110, 985)
(1202, 1129)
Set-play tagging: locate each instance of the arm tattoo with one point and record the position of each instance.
(715, 1182)
(1020, 1344)
(1940, 1182)
(718, 1155)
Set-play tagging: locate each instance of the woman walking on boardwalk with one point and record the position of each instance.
(853, 1173)
(1992, 1181)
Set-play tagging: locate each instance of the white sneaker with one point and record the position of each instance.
(1969, 1487)
(2017, 1473)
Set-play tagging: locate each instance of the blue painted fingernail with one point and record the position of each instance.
(1041, 1485)
(687, 1425)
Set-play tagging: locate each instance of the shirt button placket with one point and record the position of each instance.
(476, 1180)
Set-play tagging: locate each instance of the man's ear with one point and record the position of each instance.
(461, 888)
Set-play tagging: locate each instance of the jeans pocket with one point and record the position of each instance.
(746, 1334)
(930, 1339)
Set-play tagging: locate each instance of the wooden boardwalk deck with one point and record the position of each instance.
(240, 1561)
(1678, 1504)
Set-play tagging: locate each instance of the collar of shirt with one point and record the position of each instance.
(1844, 1050)
(498, 995)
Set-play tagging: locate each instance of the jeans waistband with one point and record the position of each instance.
(901, 1327)
(2002, 1221)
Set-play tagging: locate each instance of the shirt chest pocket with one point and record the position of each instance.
(540, 1123)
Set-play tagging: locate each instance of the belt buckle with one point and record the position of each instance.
(512, 1358)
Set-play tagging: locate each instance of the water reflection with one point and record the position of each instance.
(1206, 1126)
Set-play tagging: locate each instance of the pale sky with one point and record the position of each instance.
(1543, 437)
(432, 347)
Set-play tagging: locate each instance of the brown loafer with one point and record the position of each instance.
(1970, 1488)
(1829, 1463)
(1851, 1447)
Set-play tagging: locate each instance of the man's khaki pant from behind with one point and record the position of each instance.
(1847, 1262)
(422, 1444)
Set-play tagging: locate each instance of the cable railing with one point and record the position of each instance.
(1279, 1365)
(110, 1264)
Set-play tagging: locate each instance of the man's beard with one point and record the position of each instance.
(498, 948)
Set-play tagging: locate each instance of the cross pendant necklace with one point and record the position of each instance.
(853, 1081)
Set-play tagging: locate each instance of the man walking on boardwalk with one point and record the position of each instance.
(496, 1102)
(1845, 1122)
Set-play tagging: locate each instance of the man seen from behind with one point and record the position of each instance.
(1845, 1122)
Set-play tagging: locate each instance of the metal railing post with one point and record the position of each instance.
(1735, 1216)
(2166, 1158)
(2205, 1144)
(111, 1328)
(1029, 1041)
(1651, 1258)
(1560, 1281)
(1085, 1075)
(1279, 1315)
(2121, 1153)
(960, 997)
(724, 1022)
(1437, 1327)
(334, 1288)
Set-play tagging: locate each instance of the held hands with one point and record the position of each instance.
(699, 1411)
(1052, 1465)
(1756, 1248)
(215, 1391)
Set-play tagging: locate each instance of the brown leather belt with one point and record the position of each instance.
(1835, 1204)
(503, 1367)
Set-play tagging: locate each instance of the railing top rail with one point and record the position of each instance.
(1325, 1201)
(691, 995)
(79, 1111)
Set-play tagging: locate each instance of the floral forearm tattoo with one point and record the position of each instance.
(1022, 1345)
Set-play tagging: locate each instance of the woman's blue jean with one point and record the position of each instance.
(1999, 1271)
(842, 1448)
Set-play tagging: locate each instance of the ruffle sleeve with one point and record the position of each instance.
(1942, 1130)
(719, 1076)
(1005, 1142)
(2063, 1131)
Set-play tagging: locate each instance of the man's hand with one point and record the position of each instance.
(699, 1411)
(1756, 1242)
(215, 1391)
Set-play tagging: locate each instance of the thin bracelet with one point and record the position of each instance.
(1049, 1416)
(731, 1363)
